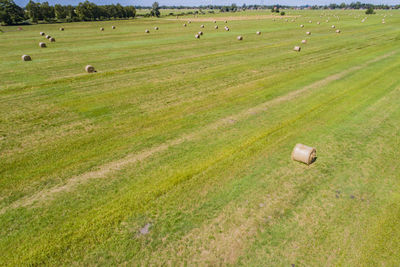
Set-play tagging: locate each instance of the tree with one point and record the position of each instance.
(33, 10)
(60, 11)
(47, 11)
(155, 10)
(370, 11)
(10, 13)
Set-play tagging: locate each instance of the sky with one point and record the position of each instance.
(208, 2)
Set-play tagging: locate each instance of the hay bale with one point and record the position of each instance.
(90, 69)
(333, 26)
(301, 26)
(200, 33)
(184, 24)
(202, 26)
(147, 31)
(227, 29)
(297, 48)
(48, 36)
(240, 38)
(304, 154)
(215, 21)
(197, 36)
(318, 22)
(156, 28)
(309, 21)
(303, 41)
(216, 27)
(113, 27)
(337, 31)
(258, 33)
(326, 21)
(226, 21)
(43, 45)
(308, 33)
(189, 22)
(52, 39)
(62, 29)
(26, 58)
(42, 34)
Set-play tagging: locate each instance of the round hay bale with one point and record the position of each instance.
(337, 31)
(304, 154)
(240, 38)
(258, 33)
(197, 36)
(326, 21)
(62, 29)
(184, 24)
(215, 21)
(48, 36)
(308, 33)
(202, 26)
(43, 45)
(113, 27)
(101, 29)
(200, 33)
(309, 21)
(301, 26)
(227, 29)
(226, 21)
(189, 22)
(216, 27)
(333, 26)
(52, 39)
(26, 58)
(156, 28)
(383, 22)
(303, 41)
(297, 48)
(90, 69)
(147, 31)
(42, 34)
(318, 22)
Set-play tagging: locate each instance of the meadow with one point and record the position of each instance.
(177, 151)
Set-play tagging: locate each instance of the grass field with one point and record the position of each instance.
(177, 151)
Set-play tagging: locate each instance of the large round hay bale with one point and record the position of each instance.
(318, 22)
(333, 26)
(337, 31)
(301, 26)
(184, 24)
(48, 36)
(240, 38)
(227, 29)
(61, 29)
(216, 27)
(258, 33)
(26, 58)
(297, 48)
(113, 27)
(308, 33)
(42, 34)
(156, 28)
(90, 69)
(197, 36)
(304, 154)
(202, 26)
(303, 41)
(226, 21)
(52, 39)
(102, 29)
(215, 21)
(147, 31)
(200, 33)
(309, 21)
(189, 22)
(43, 45)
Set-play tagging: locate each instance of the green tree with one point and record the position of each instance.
(155, 10)
(10, 13)
(60, 11)
(47, 11)
(370, 11)
(33, 11)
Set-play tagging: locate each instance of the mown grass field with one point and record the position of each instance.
(191, 140)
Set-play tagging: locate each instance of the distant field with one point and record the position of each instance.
(177, 151)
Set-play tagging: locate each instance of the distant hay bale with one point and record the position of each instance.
(304, 154)
(26, 58)
(318, 22)
(90, 69)
(48, 36)
(326, 21)
(337, 31)
(42, 34)
(215, 21)
(189, 22)
(184, 25)
(308, 33)
(101, 29)
(226, 21)
(43, 45)
(226, 29)
(52, 39)
(147, 31)
(200, 33)
(216, 27)
(297, 48)
(61, 29)
(383, 22)
(286, 20)
(113, 27)
(258, 33)
(156, 28)
(333, 26)
(309, 21)
(240, 38)
(202, 26)
(304, 41)
(301, 26)
(197, 36)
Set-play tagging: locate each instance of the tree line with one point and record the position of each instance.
(33, 12)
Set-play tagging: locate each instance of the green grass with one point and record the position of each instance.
(194, 137)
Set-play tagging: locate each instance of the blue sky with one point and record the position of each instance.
(206, 2)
